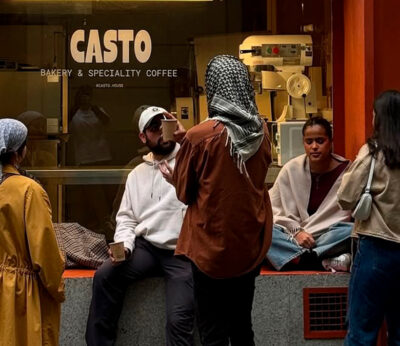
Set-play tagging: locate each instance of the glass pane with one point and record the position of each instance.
(77, 72)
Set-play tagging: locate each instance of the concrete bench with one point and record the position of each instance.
(277, 309)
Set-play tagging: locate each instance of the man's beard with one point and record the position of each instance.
(161, 148)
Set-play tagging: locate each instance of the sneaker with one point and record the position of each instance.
(338, 264)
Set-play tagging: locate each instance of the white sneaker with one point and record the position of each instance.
(338, 264)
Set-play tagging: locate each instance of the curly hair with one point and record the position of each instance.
(318, 120)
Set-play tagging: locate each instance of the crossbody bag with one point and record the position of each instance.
(363, 207)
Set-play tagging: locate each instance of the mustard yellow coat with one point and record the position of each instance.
(31, 265)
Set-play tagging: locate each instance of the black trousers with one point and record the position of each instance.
(110, 284)
(224, 308)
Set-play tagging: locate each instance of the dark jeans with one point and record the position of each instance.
(224, 308)
(374, 292)
(110, 284)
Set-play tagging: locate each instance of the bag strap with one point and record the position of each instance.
(371, 173)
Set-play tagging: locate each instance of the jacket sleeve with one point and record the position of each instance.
(283, 205)
(185, 176)
(126, 219)
(45, 255)
(354, 181)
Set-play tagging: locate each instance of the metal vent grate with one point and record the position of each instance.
(325, 312)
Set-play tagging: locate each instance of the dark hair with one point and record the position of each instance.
(7, 157)
(83, 90)
(318, 120)
(386, 133)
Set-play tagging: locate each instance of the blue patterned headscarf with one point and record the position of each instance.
(12, 135)
(230, 98)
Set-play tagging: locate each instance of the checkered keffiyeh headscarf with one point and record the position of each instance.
(231, 101)
(12, 135)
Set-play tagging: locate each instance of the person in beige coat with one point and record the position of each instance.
(374, 290)
(310, 231)
(31, 265)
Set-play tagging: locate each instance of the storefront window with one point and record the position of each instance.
(77, 72)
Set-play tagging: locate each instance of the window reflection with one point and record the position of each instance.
(88, 121)
(88, 125)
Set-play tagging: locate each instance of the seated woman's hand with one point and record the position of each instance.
(305, 239)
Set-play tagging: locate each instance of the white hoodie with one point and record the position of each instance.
(149, 207)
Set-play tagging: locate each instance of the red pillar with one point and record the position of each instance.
(358, 21)
(386, 47)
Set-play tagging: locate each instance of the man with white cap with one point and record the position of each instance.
(149, 221)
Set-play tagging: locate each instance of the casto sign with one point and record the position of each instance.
(114, 46)
(89, 47)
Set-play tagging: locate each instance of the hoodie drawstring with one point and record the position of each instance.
(158, 187)
(152, 179)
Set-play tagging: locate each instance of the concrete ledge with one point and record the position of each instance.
(277, 309)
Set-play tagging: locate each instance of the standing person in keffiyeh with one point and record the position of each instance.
(230, 98)
(219, 173)
(31, 266)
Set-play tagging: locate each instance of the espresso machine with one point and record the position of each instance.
(277, 66)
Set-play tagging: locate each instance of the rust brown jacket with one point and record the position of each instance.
(227, 227)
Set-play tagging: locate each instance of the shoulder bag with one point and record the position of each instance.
(363, 207)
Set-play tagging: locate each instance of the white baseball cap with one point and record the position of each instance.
(147, 115)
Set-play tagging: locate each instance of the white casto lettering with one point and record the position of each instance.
(110, 44)
(77, 36)
(143, 39)
(125, 36)
(94, 48)
(95, 53)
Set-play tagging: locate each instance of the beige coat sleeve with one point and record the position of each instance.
(45, 255)
(354, 180)
(284, 206)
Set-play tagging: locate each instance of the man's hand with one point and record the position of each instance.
(180, 130)
(167, 171)
(113, 261)
(305, 239)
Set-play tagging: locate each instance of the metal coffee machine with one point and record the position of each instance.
(277, 65)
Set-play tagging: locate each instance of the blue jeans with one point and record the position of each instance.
(330, 243)
(374, 292)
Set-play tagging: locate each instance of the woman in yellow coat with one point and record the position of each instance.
(31, 265)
